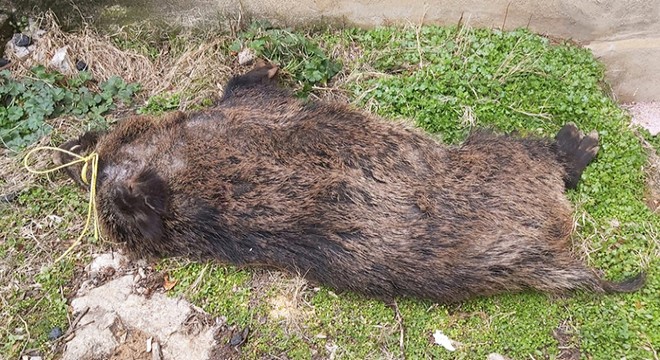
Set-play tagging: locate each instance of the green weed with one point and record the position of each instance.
(35, 298)
(159, 104)
(298, 54)
(26, 104)
(454, 79)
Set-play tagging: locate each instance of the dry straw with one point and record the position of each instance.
(195, 71)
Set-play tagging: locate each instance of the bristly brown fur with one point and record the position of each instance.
(350, 200)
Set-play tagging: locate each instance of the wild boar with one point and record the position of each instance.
(344, 198)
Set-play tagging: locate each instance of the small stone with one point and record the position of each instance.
(112, 260)
(55, 333)
(22, 40)
(156, 353)
(245, 57)
(238, 338)
(4, 62)
(19, 52)
(81, 65)
(60, 60)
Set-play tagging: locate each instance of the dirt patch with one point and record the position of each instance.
(653, 181)
(647, 116)
(132, 344)
(569, 346)
(286, 296)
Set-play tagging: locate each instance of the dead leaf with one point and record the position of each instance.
(169, 284)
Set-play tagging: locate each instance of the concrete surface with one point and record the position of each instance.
(116, 310)
(646, 115)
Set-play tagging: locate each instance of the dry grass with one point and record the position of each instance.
(288, 305)
(586, 243)
(652, 194)
(194, 71)
(96, 50)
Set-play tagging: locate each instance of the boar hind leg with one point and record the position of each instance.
(80, 146)
(575, 151)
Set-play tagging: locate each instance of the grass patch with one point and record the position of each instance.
(34, 292)
(299, 55)
(452, 79)
(448, 80)
(159, 104)
(220, 290)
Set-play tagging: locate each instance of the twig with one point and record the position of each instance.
(655, 353)
(236, 30)
(417, 31)
(75, 7)
(197, 281)
(399, 320)
(506, 15)
(27, 331)
(72, 326)
(460, 21)
(540, 115)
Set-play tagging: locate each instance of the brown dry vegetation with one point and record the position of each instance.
(197, 69)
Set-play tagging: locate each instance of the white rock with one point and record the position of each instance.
(19, 52)
(442, 340)
(160, 317)
(61, 60)
(245, 57)
(496, 356)
(113, 260)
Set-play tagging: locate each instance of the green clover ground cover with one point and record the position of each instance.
(26, 104)
(509, 81)
(447, 80)
(519, 81)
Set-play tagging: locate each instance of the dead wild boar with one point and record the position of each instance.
(344, 198)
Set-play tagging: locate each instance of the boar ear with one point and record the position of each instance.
(143, 202)
(262, 74)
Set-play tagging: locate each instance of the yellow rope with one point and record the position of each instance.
(92, 159)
